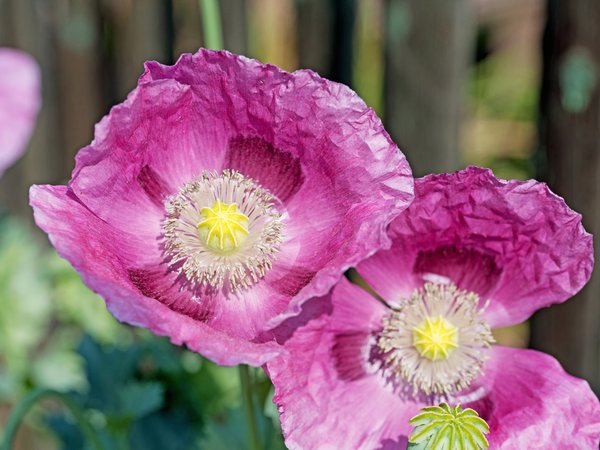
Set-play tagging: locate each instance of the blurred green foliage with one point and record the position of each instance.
(502, 90)
(137, 390)
(503, 100)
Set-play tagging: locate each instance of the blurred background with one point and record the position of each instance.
(507, 84)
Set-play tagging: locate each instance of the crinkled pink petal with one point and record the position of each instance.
(329, 396)
(514, 242)
(19, 103)
(330, 143)
(314, 144)
(102, 254)
(531, 403)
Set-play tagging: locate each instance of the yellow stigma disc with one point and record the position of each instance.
(435, 338)
(224, 228)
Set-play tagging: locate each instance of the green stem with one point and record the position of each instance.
(211, 23)
(122, 439)
(253, 441)
(17, 415)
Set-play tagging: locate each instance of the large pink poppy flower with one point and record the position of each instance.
(19, 103)
(359, 367)
(223, 194)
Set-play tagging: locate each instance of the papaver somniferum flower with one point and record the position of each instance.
(19, 103)
(221, 195)
(471, 253)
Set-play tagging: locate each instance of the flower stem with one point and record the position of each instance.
(17, 415)
(211, 23)
(248, 400)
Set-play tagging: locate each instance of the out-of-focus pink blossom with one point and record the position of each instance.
(19, 103)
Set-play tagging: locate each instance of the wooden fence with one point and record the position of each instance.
(408, 58)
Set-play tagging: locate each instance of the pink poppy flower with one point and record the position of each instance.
(471, 253)
(221, 195)
(19, 103)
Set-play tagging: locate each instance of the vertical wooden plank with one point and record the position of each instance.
(234, 15)
(325, 36)
(273, 32)
(80, 97)
(342, 53)
(141, 30)
(314, 19)
(570, 143)
(428, 49)
(187, 27)
(6, 25)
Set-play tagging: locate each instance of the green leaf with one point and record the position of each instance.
(172, 431)
(139, 399)
(214, 387)
(231, 433)
(108, 370)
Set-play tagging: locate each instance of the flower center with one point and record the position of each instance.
(224, 228)
(443, 427)
(435, 338)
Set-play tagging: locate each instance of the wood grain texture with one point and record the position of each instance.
(428, 48)
(569, 157)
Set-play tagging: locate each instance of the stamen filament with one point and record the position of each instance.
(435, 340)
(222, 228)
